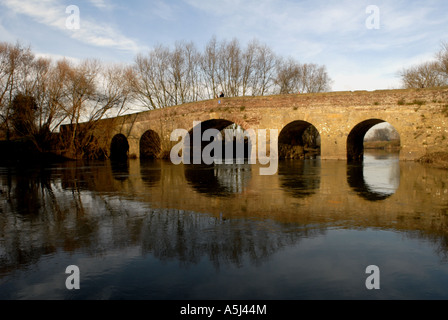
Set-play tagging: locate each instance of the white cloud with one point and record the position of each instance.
(101, 4)
(56, 57)
(53, 14)
(47, 12)
(363, 81)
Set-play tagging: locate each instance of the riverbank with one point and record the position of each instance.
(436, 159)
(383, 145)
(25, 152)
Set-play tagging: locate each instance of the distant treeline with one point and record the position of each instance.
(383, 138)
(39, 94)
(433, 73)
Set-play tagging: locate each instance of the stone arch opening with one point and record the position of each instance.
(229, 135)
(360, 138)
(150, 145)
(119, 148)
(299, 140)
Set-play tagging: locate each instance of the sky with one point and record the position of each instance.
(363, 44)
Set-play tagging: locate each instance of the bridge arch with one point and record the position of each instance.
(150, 145)
(119, 147)
(299, 139)
(220, 125)
(355, 139)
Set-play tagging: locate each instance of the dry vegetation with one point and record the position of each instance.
(437, 160)
(172, 76)
(428, 74)
(37, 95)
(384, 139)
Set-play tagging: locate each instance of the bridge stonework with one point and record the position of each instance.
(420, 116)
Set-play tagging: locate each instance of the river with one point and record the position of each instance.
(156, 231)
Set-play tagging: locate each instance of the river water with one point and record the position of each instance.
(153, 230)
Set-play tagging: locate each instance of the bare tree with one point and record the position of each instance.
(248, 60)
(383, 134)
(166, 77)
(428, 74)
(264, 70)
(442, 59)
(209, 67)
(23, 115)
(424, 75)
(193, 73)
(14, 69)
(151, 83)
(183, 73)
(230, 67)
(37, 95)
(313, 78)
(177, 72)
(288, 76)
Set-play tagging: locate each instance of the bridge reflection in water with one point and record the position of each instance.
(377, 178)
(149, 229)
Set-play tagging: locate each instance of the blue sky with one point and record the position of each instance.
(332, 33)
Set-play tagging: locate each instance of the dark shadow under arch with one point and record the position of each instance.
(119, 148)
(298, 140)
(220, 125)
(150, 145)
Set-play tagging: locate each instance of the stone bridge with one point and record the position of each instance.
(341, 118)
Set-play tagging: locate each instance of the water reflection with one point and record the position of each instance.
(22, 190)
(120, 169)
(220, 180)
(300, 178)
(377, 177)
(189, 237)
(150, 171)
(164, 231)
